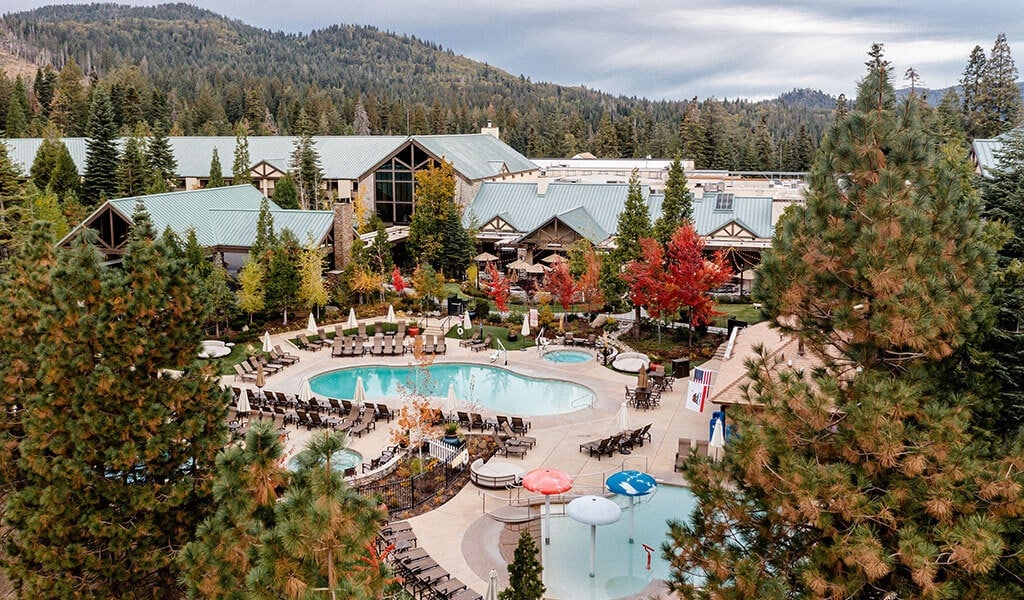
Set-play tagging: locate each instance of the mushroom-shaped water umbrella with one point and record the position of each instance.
(632, 484)
(593, 511)
(492, 586)
(451, 403)
(267, 344)
(359, 397)
(718, 438)
(548, 482)
(467, 323)
(391, 314)
(352, 321)
(525, 331)
(311, 325)
(305, 391)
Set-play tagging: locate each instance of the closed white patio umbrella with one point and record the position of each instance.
(267, 344)
(492, 586)
(360, 393)
(525, 331)
(352, 321)
(391, 314)
(451, 402)
(305, 391)
(622, 418)
(467, 323)
(311, 325)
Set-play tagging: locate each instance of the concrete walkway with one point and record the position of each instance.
(452, 535)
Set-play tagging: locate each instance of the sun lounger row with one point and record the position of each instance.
(570, 340)
(620, 442)
(248, 368)
(687, 448)
(471, 421)
(421, 575)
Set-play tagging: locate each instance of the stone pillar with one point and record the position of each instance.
(343, 234)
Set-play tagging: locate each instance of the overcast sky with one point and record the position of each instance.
(672, 49)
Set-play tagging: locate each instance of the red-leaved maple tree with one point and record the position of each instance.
(559, 282)
(499, 289)
(589, 284)
(397, 281)
(681, 277)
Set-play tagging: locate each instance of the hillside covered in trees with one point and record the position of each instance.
(217, 71)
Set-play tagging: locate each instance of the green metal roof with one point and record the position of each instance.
(475, 156)
(238, 227)
(592, 209)
(986, 151)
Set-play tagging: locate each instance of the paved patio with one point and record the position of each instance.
(454, 534)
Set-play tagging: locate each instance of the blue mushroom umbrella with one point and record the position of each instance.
(632, 484)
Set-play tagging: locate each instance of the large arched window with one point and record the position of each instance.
(394, 184)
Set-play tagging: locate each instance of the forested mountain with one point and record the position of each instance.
(217, 71)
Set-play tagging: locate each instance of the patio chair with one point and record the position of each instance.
(510, 446)
(401, 329)
(357, 347)
(702, 447)
(377, 348)
(441, 347)
(268, 368)
(484, 345)
(568, 340)
(244, 375)
(338, 348)
(346, 405)
(399, 345)
(470, 340)
(428, 344)
(335, 406)
(683, 452)
(305, 344)
(599, 446)
(378, 328)
(476, 420)
(522, 439)
(302, 419)
(361, 331)
(519, 425)
(323, 340)
(284, 359)
(384, 412)
(464, 420)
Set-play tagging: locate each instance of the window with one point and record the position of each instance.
(723, 202)
(394, 184)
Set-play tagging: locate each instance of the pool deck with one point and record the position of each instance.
(454, 534)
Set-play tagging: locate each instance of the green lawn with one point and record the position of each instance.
(499, 333)
(743, 312)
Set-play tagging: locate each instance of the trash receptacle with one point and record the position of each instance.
(456, 306)
(680, 367)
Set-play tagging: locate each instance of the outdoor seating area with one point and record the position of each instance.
(623, 442)
(420, 573)
(687, 448)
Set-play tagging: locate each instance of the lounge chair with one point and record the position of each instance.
(305, 344)
(384, 412)
(441, 347)
(243, 374)
(522, 439)
(378, 328)
(335, 406)
(484, 345)
(593, 446)
(338, 348)
(377, 348)
(510, 446)
(702, 447)
(284, 359)
(476, 420)
(401, 329)
(519, 425)
(683, 452)
(361, 331)
(568, 340)
(268, 368)
(428, 344)
(464, 420)
(357, 347)
(322, 338)
(470, 340)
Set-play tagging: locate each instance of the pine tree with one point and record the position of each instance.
(764, 148)
(132, 172)
(606, 141)
(101, 156)
(216, 173)
(196, 257)
(999, 105)
(842, 108)
(972, 84)
(524, 572)
(861, 479)
(265, 240)
(53, 168)
(159, 157)
(286, 193)
(69, 110)
(128, 447)
(305, 163)
(221, 302)
(634, 222)
(46, 207)
(360, 120)
(378, 253)
(240, 167)
(692, 136)
(282, 283)
(436, 233)
(677, 205)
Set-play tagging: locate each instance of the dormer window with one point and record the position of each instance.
(723, 202)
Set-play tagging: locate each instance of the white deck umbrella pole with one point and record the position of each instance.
(547, 518)
(593, 545)
(632, 508)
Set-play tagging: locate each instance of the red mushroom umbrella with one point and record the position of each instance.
(548, 482)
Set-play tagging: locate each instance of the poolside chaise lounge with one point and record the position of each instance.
(283, 357)
(244, 374)
(305, 344)
(470, 340)
(520, 438)
(484, 345)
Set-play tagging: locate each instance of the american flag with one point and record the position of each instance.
(703, 377)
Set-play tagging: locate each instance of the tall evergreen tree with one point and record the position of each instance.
(216, 173)
(159, 157)
(677, 205)
(634, 223)
(265, 239)
(121, 453)
(524, 572)
(101, 155)
(1000, 105)
(436, 233)
(972, 85)
(53, 168)
(240, 166)
(282, 283)
(132, 173)
(69, 109)
(606, 140)
(305, 163)
(861, 479)
(286, 192)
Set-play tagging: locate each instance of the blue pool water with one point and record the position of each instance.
(343, 459)
(568, 356)
(476, 386)
(620, 567)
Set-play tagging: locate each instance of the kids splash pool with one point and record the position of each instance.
(476, 386)
(620, 568)
(568, 356)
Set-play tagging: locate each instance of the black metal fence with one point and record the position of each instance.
(414, 491)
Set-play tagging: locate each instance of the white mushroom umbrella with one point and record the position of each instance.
(305, 391)
(391, 314)
(718, 438)
(267, 344)
(360, 394)
(467, 323)
(593, 511)
(622, 418)
(352, 321)
(525, 331)
(311, 325)
(492, 586)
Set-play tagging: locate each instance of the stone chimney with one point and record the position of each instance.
(489, 130)
(343, 234)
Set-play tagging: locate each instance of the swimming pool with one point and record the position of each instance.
(620, 566)
(476, 386)
(568, 356)
(346, 458)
